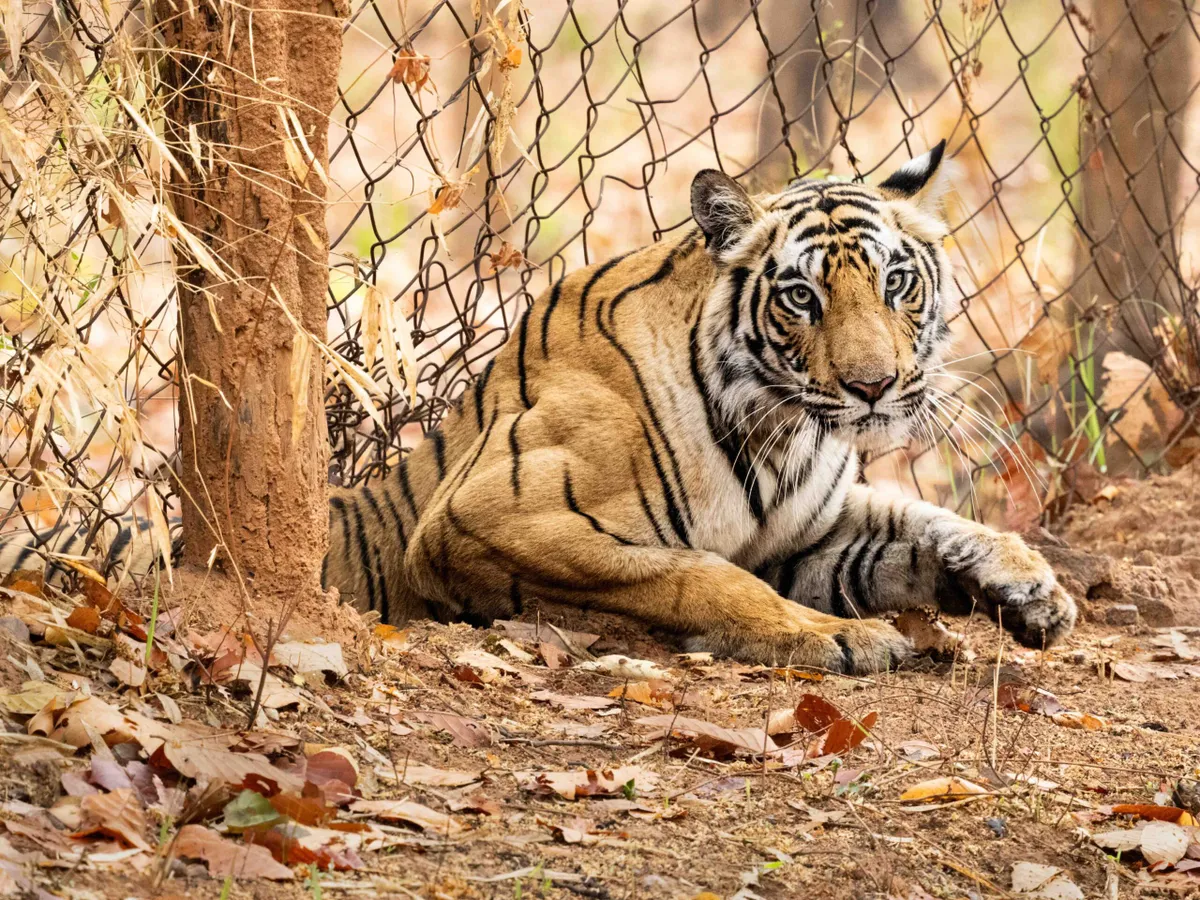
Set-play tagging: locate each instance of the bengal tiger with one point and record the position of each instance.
(674, 434)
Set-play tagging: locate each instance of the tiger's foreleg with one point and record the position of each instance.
(885, 553)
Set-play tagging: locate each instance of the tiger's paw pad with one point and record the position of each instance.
(1017, 585)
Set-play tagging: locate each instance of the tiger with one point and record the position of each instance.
(675, 435)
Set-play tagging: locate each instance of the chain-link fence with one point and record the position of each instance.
(480, 149)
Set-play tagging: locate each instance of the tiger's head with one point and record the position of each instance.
(829, 298)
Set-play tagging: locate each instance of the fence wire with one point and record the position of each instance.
(480, 149)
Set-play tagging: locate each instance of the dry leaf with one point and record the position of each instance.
(707, 736)
(1075, 719)
(532, 633)
(553, 656)
(1162, 842)
(238, 770)
(844, 735)
(32, 698)
(815, 713)
(567, 701)
(1045, 882)
(590, 783)
(410, 68)
(413, 813)
(651, 693)
(85, 618)
(226, 858)
(117, 814)
(304, 657)
(623, 667)
(466, 732)
(945, 788)
(128, 672)
(415, 773)
(506, 256)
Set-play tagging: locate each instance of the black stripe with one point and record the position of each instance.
(663, 271)
(514, 449)
(522, 374)
(725, 438)
(573, 505)
(369, 496)
(837, 602)
(737, 280)
(555, 296)
(325, 572)
(439, 451)
(406, 489)
(587, 289)
(396, 520)
(646, 508)
(673, 514)
(124, 536)
(364, 558)
(383, 593)
(854, 576)
(480, 387)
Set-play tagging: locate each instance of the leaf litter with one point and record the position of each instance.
(363, 755)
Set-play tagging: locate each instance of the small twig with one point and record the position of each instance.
(554, 742)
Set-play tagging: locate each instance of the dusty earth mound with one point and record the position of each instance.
(1137, 544)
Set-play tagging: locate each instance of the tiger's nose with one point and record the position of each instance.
(869, 391)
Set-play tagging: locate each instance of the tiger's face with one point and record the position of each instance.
(833, 297)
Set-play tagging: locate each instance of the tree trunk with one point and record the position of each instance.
(254, 499)
(1137, 84)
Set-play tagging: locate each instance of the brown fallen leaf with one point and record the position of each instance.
(238, 770)
(568, 701)
(412, 813)
(553, 656)
(590, 783)
(1072, 718)
(532, 633)
(128, 672)
(32, 698)
(844, 735)
(466, 732)
(117, 814)
(331, 764)
(649, 693)
(707, 736)
(1145, 811)
(415, 773)
(814, 713)
(225, 858)
(85, 618)
(943, 789)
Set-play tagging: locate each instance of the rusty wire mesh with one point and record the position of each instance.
(481, 149)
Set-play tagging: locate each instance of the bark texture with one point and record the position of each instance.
(248, 490)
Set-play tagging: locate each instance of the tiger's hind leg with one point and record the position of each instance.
(886, 554)
(481, 552)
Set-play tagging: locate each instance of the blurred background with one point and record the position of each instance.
(480, 149)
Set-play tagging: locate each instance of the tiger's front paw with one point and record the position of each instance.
(815, 640)
(1013, 581)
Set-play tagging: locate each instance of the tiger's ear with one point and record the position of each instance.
(722, 209)
(923, 181)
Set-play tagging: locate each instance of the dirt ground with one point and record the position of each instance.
(467, 744)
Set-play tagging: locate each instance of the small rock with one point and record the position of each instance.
(998, 826)
(1187, 795)
(1145, 558)
(1153, 611)
(1121, 614)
